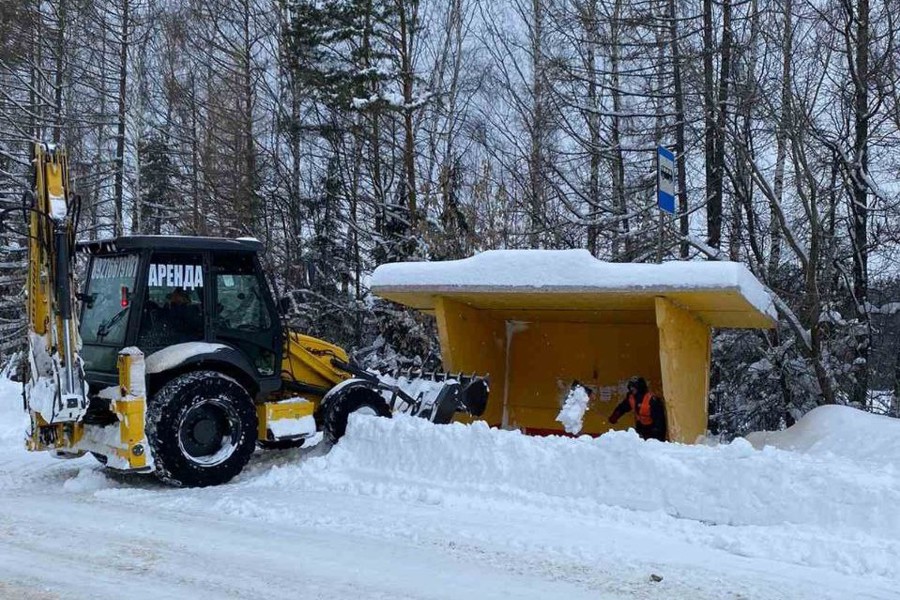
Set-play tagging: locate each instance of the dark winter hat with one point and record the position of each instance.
(638, 383)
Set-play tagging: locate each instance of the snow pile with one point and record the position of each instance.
(19, 469)
(88, 479)
(13, 418)
(572, 413)
(811, 510)
(839, 431)
(570, 270)
(723, 485)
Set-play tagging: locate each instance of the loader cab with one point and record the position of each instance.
(155, 292)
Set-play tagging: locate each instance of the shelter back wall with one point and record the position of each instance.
(545, 357)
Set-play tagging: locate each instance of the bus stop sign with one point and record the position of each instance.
(665, 180)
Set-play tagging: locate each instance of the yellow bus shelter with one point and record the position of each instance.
(537, 320)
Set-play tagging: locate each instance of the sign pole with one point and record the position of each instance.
(659, 248)
(659, 245)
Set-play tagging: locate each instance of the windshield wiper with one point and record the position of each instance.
(104, 329)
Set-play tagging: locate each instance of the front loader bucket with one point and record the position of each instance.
(436, 396)
(421, 396)
(446, 404)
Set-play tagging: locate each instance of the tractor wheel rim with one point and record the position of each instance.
(209, 432)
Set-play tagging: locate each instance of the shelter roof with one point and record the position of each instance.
(571, 285)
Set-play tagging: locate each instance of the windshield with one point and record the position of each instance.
(108, 299)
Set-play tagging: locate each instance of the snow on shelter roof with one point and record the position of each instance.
(573, 285)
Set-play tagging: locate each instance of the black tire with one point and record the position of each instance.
(280, 444)
(201, 427)
(338, 410)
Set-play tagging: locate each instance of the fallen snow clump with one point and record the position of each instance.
(571, 415)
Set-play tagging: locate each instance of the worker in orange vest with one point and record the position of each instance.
(649, 411)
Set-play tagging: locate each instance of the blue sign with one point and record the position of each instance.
(665, 180)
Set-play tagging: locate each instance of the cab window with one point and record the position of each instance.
(243, 315)
(173, 302)
(240, 305)
(104, 319)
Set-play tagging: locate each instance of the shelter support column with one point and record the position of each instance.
(684, 356)
(473, 341)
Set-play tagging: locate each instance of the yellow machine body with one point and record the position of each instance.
(308, 360)
(112, 424)
(123, 444)
(50, 173)
(55, 391)
(269, 413)
(307, 363)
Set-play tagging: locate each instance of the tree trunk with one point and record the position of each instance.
(590, 25)
(713, 212)
(119, 187)
(155, 213)
(715, 206)
(197, 222)
(374, 134)
(254, 208)
(59, 80)
(781, 133)
(680, 146)
(859, 207)
(618, 161)
(538, 126)
(407, 38)
(895, 400)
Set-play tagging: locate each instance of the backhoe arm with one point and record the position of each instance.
(56, 390)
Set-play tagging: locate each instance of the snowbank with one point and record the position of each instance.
(13, 418)
(839, 431)
(731, 484)
(571, 270)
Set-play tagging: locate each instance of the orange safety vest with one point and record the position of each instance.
(642, 414)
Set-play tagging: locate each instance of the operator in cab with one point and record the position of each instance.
(183, 317)
(649, 410)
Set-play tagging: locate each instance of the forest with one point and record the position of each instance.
(348, 133)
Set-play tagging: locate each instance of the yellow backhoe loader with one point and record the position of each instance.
(178, 362)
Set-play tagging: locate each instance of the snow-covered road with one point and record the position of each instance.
(402, 509)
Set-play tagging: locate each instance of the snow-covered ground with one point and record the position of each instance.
(405, 509)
